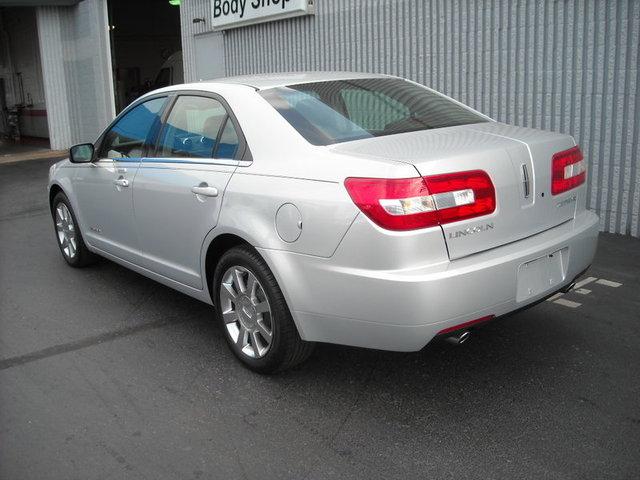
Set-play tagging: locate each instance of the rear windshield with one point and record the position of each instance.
(344, 110)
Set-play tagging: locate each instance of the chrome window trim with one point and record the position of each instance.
(225, 162)
(192, 161)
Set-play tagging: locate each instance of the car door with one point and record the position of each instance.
(104, 186)
(179, 189)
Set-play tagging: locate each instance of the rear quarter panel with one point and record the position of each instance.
(285, 168)
(251, 202)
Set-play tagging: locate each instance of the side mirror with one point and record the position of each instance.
(82, 153)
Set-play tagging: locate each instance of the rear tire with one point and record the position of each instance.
(253, 314)
(68, 235)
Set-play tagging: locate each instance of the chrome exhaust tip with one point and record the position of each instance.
(459, 338)
(568, 288)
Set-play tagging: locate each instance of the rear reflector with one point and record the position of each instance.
(568, 170)
(413, 203)
(466, 324)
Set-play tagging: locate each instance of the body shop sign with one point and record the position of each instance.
(237, 13)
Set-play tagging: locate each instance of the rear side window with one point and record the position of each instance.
(135, 131)
(197, 128)
(342, 110)
(229, 142)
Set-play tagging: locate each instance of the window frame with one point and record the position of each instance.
(243, 155)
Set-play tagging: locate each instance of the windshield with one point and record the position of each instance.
(342, 110)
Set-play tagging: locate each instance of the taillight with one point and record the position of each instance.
(568, 170)
(413, 203)
(462, 195)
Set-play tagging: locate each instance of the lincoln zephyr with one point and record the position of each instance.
(348, 208)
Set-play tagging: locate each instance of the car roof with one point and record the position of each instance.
(272, 80)
(264, 81)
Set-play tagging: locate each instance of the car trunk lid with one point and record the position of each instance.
(518, 161)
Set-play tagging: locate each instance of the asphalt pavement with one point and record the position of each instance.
(106, 374)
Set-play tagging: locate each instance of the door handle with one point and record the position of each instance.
(205, 190)
(121, 182)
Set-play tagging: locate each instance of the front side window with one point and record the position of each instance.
(134, 132)
(198, 127)
(343, 110)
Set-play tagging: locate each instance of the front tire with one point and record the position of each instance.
(253, 314)
(68, 234)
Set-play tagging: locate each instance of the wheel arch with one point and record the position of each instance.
(53, 191)
(227, 240)
(216, 248)
(63, 185)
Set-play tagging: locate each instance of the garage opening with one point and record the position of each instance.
(23, 114)
(145, 47)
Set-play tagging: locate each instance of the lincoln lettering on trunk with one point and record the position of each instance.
(471, 230)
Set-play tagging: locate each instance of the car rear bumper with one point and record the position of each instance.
(404, 309)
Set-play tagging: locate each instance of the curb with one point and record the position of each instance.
(36, 155)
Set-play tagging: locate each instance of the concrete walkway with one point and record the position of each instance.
(36, 149)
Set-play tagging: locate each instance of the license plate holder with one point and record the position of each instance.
(541, 275)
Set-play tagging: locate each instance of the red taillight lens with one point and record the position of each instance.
(484, 195)
(394, 204)
(568, 170)
(413, 203)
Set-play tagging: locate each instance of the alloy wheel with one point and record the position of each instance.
(246, 312)
(66, 231)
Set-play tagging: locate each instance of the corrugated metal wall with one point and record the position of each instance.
(565, 65)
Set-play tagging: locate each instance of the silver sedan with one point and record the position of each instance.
(349, 208)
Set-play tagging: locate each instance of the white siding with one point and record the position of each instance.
(76, 68)
(568, 66)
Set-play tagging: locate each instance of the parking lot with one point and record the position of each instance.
(106, 374)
